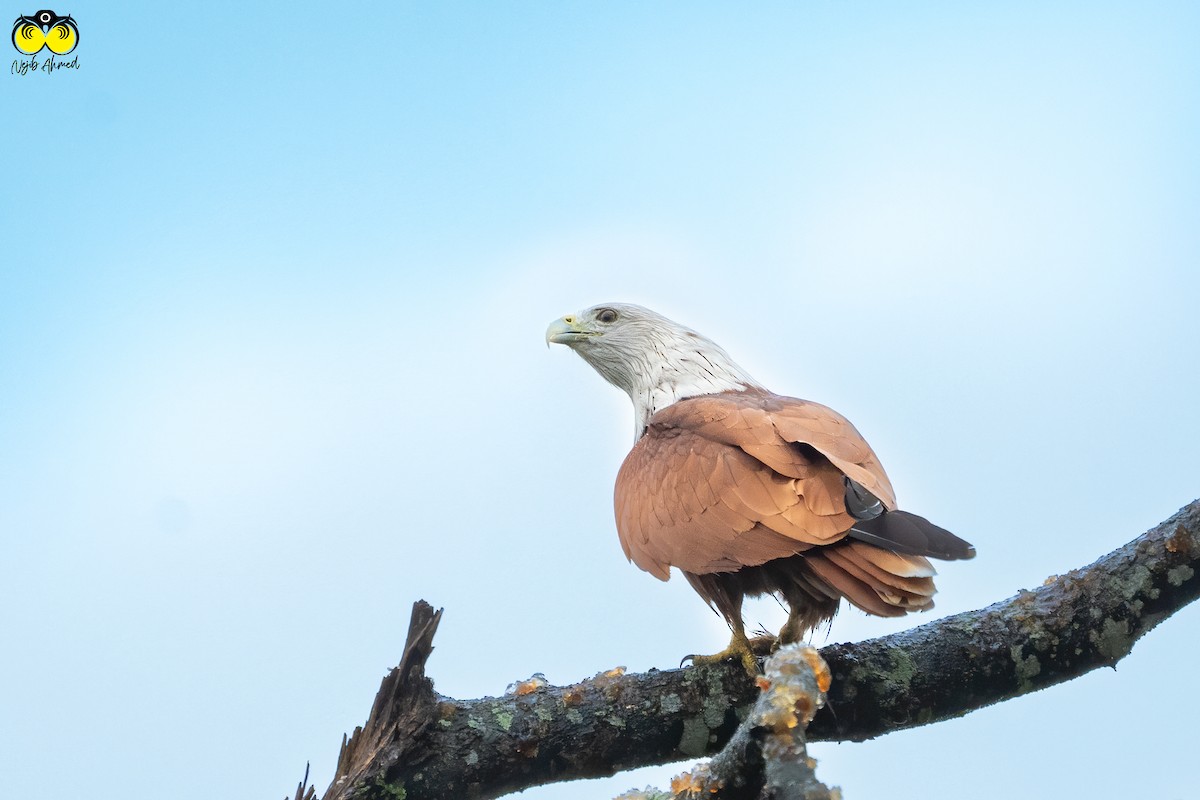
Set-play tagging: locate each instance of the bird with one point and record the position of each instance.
(747, 492)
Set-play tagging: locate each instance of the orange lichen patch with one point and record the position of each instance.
(783, 703)
(608, 682)
(530, 686)
(535, 682)
(685, 783)
(1180, 541)
(573, 696)
(698, 781)
(819, 667)
(789, 700)
(763, 682)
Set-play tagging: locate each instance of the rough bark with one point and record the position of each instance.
(427, 746)
(767, 758)
(403, 711)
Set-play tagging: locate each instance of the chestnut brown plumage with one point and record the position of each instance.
(747, 492)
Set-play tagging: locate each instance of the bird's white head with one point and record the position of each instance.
(656, 361)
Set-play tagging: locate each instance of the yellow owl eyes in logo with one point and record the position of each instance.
(45, 29)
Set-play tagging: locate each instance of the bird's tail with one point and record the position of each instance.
(878, 581)
(907, 533)
(899, 531)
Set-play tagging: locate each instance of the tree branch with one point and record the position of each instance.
(539, 734)
(767, 758)
(402, 712)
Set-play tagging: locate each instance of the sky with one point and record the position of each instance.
(272, 367)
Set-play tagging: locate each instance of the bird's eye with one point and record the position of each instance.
(606, 315)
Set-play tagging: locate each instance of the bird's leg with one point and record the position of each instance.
(739, 649)
(794, 629)
(805, 614)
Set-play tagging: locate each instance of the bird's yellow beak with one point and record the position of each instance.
(568, 330)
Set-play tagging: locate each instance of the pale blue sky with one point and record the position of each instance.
(271, 359)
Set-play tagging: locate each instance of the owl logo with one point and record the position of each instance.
(45, 29)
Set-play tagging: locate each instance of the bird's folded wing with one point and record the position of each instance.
(715, 485)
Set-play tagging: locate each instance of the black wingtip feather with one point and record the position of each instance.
(908, 533)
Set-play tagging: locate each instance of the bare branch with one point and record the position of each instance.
(305, 791)
(488, 747)
(1072, 624)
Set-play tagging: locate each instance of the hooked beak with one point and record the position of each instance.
(568, 330)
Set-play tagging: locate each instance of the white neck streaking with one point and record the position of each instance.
(684, 374)
(660, 363)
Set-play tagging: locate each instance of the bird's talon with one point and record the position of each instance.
(737, 651)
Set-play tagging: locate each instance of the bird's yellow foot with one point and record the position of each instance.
(739, 650)
(792, 632)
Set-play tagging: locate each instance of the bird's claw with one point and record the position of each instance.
(737, 651)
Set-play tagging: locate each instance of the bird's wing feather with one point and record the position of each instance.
(804, 422)
(714, 486)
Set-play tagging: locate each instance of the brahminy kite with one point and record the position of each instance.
(747, 492)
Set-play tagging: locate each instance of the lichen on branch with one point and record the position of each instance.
(430, 747)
